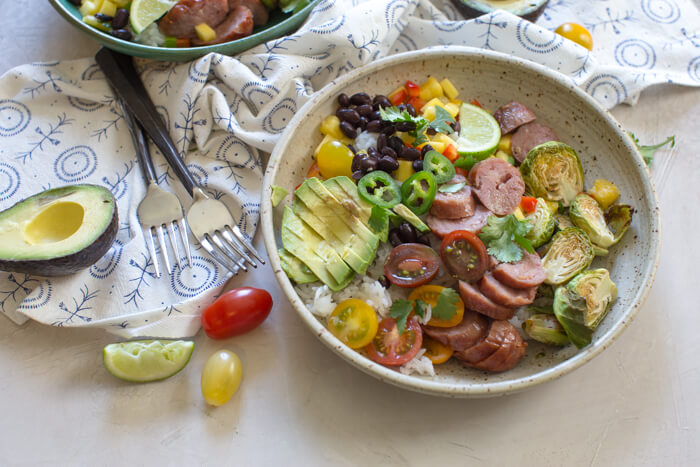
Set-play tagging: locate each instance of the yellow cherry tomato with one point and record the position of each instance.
(436, 351)
(221, 377)
(429, 294)
(577, 33)
(354, 322)
(334, 159)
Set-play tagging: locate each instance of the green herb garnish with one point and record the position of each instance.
(441, 123)
(505, 238)
(647, 152)
(446, 306)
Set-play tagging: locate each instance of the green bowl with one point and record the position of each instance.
(279, 25)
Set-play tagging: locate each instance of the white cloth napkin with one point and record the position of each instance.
(59, 124)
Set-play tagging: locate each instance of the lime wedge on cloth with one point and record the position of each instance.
(144, 12)
(147, 360)
(479, 134)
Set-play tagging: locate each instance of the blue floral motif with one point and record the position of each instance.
(607, 88)
(119, 186)
(694, 69)
(79, 308)
(537, 41)
(661, 11)
(9, 181)
(280, 115)
(108, 263)
(75, 164)
(84, 104)
(635, 53)
(329, 26)
(14, 290)
(40, 295)
(189, 282)
(51, 137)
(14, 117)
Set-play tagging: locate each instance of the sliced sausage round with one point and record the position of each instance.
(260, 14)
(467, 333)
(524, 274)
(454, 205)
(186, 14)
(238, 24)
(527, 137)
(508, 354)
(474, 223)
(504, 295)
(486, 346)
(498, 185)
(512, 115)
(477, 301)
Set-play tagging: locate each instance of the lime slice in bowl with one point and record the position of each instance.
(144, 12)
(479, 134)
(147, 360)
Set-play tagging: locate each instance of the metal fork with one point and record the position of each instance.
(159, 210)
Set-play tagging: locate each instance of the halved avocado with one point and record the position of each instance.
(58, 231)
(528, 9)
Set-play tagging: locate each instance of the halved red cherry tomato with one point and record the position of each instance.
(577, 33)
(399, 96)
(417, 103)
(429, 294)
(528, 204)
(412, 88)
(391, 348)
(436, 351)
(236, 312)
(354, 322)
(411, 264)
(465, 255)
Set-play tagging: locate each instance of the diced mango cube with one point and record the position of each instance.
(504, 144)
(605, 192)
(456, 102)
(430, 89)
(404, 171)
(452, 109)
(95, 23)
(519, 214)
(442, 138)
(449, 89)
(205, 32)
(331, 127)
(108, 8)
(437, 145)
(88, 9)
(429, 112)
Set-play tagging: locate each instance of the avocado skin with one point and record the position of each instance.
(468, 10)
(69, 264)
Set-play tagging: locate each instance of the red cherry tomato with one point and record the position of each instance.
(391, 348)
(465, 255)
(411, 265)
(236, 312)
(528, 204)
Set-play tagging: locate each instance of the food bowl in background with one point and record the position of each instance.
(279, 25)
(528, 9)
(494, 79)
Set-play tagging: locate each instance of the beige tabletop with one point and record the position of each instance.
(637, 404)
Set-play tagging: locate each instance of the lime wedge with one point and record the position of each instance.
(148, 360)
(480, 132)
(144, 12)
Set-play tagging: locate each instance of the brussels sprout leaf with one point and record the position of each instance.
(505, 238)
(647, 152)
(446, 305)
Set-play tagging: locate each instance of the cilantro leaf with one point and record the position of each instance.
(446, 306)
(379, 222)
(647, 152)
(441, 122)
(421, 308)
(393, 114)
(505, 237)
(451, 187)
(400, 310)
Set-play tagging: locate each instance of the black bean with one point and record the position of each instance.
(365, 110)
(348, 130)
(407, 233)
(457, 127)
(417, 165)
(372, 151)
(387, 164)
(357, 162)
(386, 283)
(424, 239)
(375, 115)
(406, 126)
(389, 129)
(104, 18)
(124, 34)
(394, 238)
(360, 98)
(409, 153)
(121, 18)
(425, 150)
(358, 174)
(344, 100)
(362, 124)
(348, 115)
(374, 126)
(76, 2)
(381, 101)
(396, 143)
(387, 151)
(430, 131)
(369, 164)
(381, 141)
(411, 110)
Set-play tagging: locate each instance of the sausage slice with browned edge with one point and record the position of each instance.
(511, 350)
(186, 14)
(498, 185)
(512, 115)
(455, 205)
(486, 346)
(473, 223)
(475, 300)
(503, 295)
(238, 24)
(260, 14)
(467, 333)
(527, 137)
(523, 274)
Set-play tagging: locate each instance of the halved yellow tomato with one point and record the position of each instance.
(436, 351)
(577, 33)
(354, 322)
(429, 294)
(334, 159)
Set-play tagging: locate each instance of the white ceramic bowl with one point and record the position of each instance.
(494, 79)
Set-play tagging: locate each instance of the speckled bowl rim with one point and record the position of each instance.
(433, 387)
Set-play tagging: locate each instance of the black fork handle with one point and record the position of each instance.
(121, 74)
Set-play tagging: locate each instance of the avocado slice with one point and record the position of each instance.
(301, 241)
(528, 9)
(408, 215)
(58, 231)
(345, 191)
(295, 269)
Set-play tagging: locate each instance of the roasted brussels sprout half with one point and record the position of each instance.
(569, 253)
(545, 328)
(563, 221)
(619, 218)
(553, 171)
(543, 223)
(570, 310)
(599, 291)
(586, 214)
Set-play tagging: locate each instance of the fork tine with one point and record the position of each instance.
(185, 241)
(220, 259)
(173, 243)
(237, 248)
(222, 248)
(163, 250)
(151, 249)
(237, 233)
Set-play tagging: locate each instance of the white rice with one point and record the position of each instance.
(151, 36)
(420, 365)
(365, 140)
